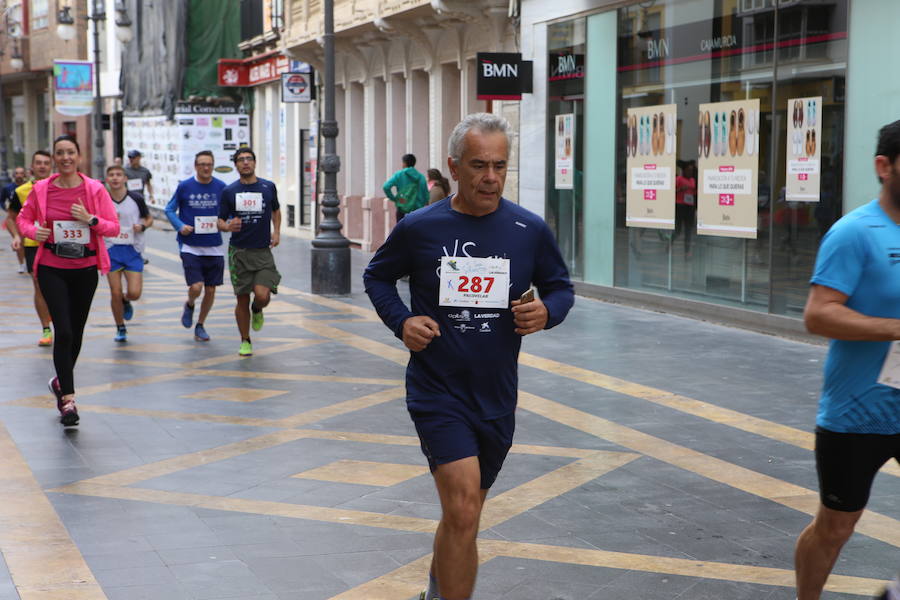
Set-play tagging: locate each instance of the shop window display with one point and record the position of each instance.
(565, 122)
(720, 64)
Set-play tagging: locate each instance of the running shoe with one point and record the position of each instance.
(187, 316)
(200, 334)
(121, 334)
(127, 310)
(246, 348)
(68, 414)
(891, 592)
(53, 384)
(257, 320)
(21, 268)
(46, 337)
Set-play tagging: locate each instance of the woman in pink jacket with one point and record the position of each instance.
(70, 214)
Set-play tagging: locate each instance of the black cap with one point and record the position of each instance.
(134, 153)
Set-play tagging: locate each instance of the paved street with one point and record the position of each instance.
(656, 457)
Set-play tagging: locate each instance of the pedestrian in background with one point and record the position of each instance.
(438, 186)
(411, 187)
(69, 214)
(41, 167)
(685, 204)
(139, 176)
(6, 196)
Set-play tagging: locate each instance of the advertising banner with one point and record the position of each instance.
(73, 84)
(651, 147)
(565, 152)
(728, 169)
(169, 147)
(804, 150)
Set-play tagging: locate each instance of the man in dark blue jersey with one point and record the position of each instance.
(469, 259)
(250, 211)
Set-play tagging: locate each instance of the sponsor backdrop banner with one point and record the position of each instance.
(804, 143)
(651, 147)
(169, 146)
(74, 87)
(565, 152)
(729, 169)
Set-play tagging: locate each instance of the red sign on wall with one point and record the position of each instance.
(236, 72)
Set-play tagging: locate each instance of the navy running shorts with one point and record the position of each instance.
(208, 269)
(452, 432)
(123, 257)
(847, 463)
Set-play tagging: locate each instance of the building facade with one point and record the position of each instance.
(405, 75)
(280, 130)
(605, 65)
(29, 35)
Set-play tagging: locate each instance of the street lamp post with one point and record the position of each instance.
(66, 30)
(330, 249)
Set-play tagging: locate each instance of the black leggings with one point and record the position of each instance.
(69, 293)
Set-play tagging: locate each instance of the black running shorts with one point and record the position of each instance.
(847, 463)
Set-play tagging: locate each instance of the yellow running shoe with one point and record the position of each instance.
(46, 337)
(246, 348)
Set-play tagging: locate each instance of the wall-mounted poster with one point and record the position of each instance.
(804, 145)
(565, 152)
(651, 148)
(729, 168)
(73, 82)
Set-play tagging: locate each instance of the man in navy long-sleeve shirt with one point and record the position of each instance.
(467, 256)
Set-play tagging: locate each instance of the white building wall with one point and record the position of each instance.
(276, 140)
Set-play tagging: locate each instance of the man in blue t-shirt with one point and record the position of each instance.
(194, 213)
(855, 301)
(466, 257)
(250, 211)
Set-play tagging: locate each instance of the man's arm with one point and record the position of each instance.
(828, 315)
(149, 185)
(172, 211)
(390, 263)
(423, 191)
(146, 216)
(388, 187)
(276, 227)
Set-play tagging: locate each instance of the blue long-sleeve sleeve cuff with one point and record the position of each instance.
(172, 214)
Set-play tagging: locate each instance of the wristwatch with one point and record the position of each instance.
(94, 220)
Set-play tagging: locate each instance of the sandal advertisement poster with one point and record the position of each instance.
(651, 148)
(804, 141)
(565, 152)
(728, 168)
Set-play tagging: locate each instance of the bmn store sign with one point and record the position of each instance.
(503, 76)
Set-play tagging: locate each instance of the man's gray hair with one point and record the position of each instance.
(481, 122)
